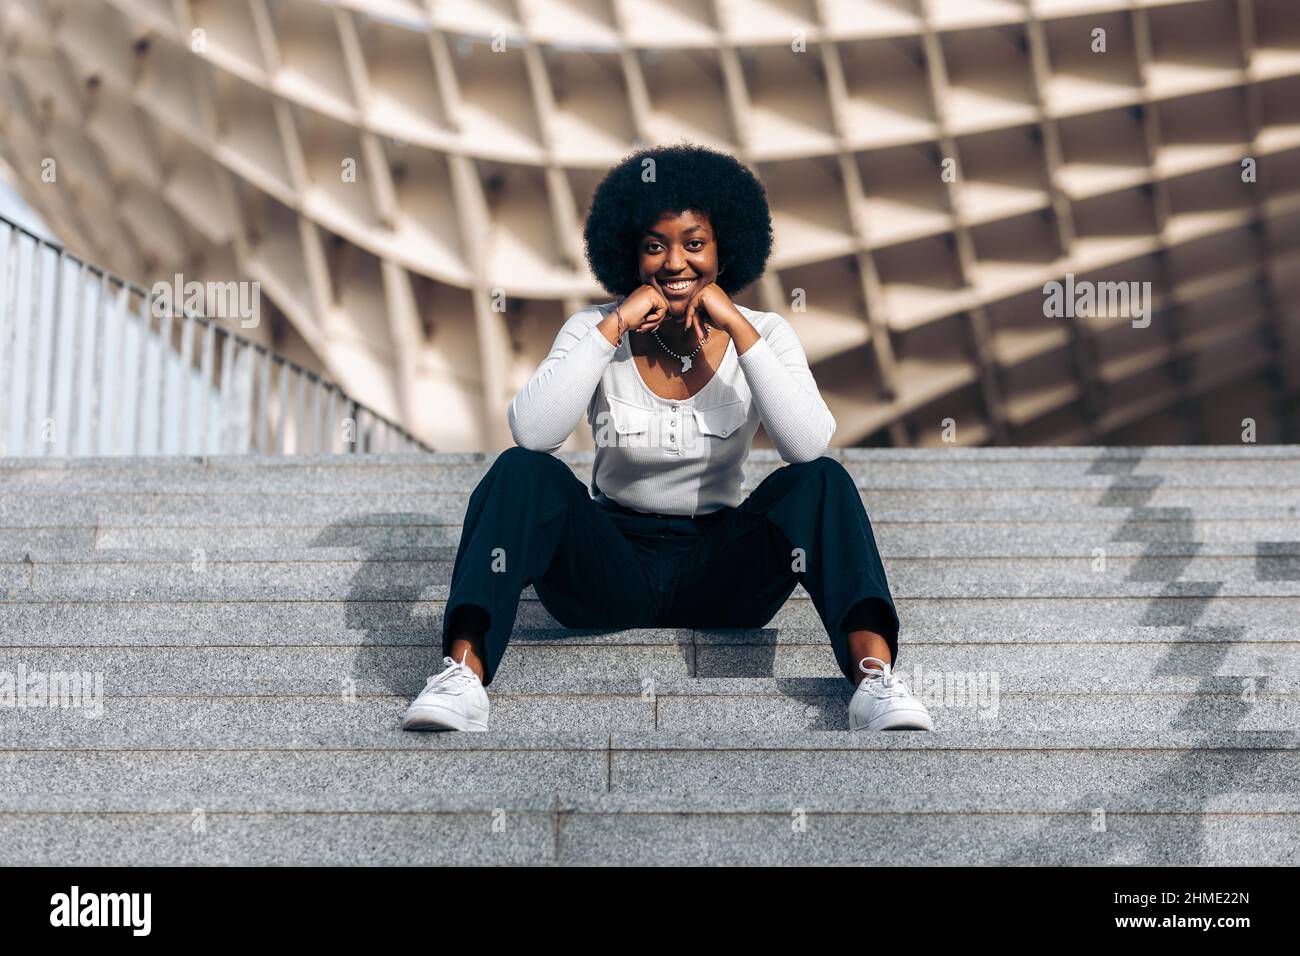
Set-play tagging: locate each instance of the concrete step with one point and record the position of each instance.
(325, 507)
(999, 535)
(896, 542)
(871, 478)
(420, 632)
(250, 708)
(964, 703)
(370, 827)
(343, 473)
(1273, 574)
(402, 670)
(965, 619)
(955, 467)
(1064, 763)
(306, 506)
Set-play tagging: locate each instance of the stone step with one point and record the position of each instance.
(921, 543)
(934, 510)
(1028, 761)
(1271, 575)
(516, 685)
(1001, 535)
(961, 703)
(982, 619)
(402, 670)
(28, 507)
(874, 828)
(927, 548)
(1146, 713)
(1109, 457)
(934, 479)
(973, 467)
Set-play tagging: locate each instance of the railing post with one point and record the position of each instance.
(331, 420)
(282, 409)
(241, 435)
(74, 405)
(119, 375)
(165, 333)
(187, 380)
(263, 412)
(52, 386)
(28, 422)
(317, 412)
(205, 380)
(9, 337)
(225, 390)
(146, 351)
(97, 380)
(299, 411)
(141, 374)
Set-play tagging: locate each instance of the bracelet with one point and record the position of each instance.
(618, 340)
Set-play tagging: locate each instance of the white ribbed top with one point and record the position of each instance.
(672, 456)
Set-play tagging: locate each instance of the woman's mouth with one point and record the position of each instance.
(676, 288)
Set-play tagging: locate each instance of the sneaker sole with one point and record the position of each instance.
(899, 720)
(436, 718)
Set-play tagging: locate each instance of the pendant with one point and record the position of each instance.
(686, 364)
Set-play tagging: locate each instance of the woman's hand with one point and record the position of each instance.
(644, 309)
(710, 306)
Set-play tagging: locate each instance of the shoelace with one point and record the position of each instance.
(882, 682)
(453, 678)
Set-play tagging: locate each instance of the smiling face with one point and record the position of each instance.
(679, 255)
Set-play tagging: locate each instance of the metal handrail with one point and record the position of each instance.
(236, 376)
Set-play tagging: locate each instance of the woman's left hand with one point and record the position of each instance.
(710, 306)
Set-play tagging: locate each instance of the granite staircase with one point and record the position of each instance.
(1107, 637)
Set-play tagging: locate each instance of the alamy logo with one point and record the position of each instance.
(1086, 299)
(978, 690)
(102, 909)
(73, 690)
(653, 431)
(214, 300)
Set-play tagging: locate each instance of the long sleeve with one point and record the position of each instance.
(550, 405)
(789, 404)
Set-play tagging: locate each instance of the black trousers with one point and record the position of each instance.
(531, 520)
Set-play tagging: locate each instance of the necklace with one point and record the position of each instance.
(685, 359)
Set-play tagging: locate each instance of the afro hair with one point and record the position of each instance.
(684, 177)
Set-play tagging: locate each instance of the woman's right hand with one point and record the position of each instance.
(644, 309)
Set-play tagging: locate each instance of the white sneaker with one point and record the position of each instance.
(452, 699)
(883, 702)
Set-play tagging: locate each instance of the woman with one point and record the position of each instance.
(674, 378)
